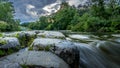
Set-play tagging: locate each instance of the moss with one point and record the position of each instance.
(47, 48)
(2, 53)
(40, 49)
(43, 36)
(24, 66)
(2, 42)
(10, 51)
(30, 48)
(30, 41)
(17, 35)
(26, 41)
(1, 34)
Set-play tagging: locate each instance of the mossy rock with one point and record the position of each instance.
(3, 42)
(25, 39)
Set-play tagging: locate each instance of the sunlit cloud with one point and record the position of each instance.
(52, 8)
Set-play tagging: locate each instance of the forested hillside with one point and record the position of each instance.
(98, 17)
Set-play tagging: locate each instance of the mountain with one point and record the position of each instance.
(29, 10)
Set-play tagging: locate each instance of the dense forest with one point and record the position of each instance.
(99, 16)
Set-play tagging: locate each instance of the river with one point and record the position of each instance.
(98, 51)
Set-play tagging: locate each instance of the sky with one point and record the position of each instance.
(31, 10)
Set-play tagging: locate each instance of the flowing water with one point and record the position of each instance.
(98, 51)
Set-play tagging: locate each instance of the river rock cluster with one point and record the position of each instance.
(41, 49)
(55, 49)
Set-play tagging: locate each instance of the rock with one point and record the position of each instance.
(63, 48)
(116, 35)
(79, 36)
(8, 42)
(10, 34)
(69, 39)
(41, 43)
(36, 58)
(27, 33)
(83, 38)
(51, 34)
(4, 64)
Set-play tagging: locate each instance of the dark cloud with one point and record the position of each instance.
(31, 10)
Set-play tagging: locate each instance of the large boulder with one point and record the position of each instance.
(36, 58)
(8, 42)
(51, 34)
(8, 45)
(63, 48)
(8, 64)
(25, 37)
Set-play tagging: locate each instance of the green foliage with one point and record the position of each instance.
(3, 26)
(41, 24)
(99, 17)
(1, 34)
(98, 8)
(7, 22)
(2, 53)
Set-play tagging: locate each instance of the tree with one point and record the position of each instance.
(98, 8)
(6, 15)
(64, 17)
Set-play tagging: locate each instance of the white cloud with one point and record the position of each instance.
(52, 8)
(29, 10)
(77, 2)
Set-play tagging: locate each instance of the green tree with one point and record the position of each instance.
(6, 15)
(98, 9)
